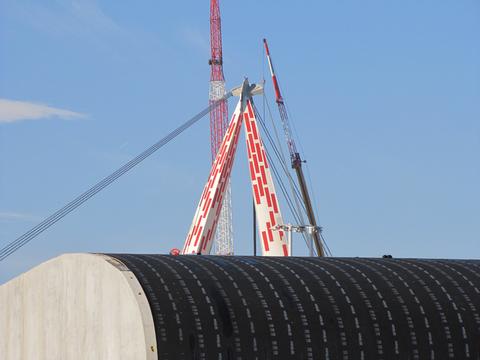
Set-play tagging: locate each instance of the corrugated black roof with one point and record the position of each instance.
(211, 307)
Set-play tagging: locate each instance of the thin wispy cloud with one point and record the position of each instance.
(14, 110)
(14, 216)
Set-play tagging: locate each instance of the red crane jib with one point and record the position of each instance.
(219, 115)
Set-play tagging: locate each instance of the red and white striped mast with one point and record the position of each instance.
(218, 125)
(199, 239)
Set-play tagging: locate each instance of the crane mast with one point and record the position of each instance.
(296, 160)
(218, 125)
(267, 209)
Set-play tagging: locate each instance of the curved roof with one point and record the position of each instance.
(210, 307)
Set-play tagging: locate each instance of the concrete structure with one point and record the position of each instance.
(126, 306)
(76, 306)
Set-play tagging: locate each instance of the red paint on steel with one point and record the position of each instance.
(250, 110)
(259, 153)
(198, 235)
(251, 143)
(252, 172)
(247, 124)
(268, 196)
(265, 241)
(254, 130)
(260, 186)
(265, 158)
(255, 163)
(255, 191)
(274, 203)
(219, 115)
(270, 232)
(272, 218)
(264, 176)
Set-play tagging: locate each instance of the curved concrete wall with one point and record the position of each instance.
(76, 306)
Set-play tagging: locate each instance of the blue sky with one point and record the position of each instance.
(384, 97)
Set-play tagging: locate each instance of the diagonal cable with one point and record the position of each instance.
(79, 200)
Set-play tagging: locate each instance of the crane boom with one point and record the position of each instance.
(296, 160)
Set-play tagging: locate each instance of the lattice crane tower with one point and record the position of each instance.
(218, 125)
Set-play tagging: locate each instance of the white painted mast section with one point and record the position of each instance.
(223, 244)
(265, 198)
(207, 215)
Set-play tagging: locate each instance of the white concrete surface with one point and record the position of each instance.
(76, 306)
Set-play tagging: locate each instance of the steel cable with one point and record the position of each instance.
(79, 200)
(296, 212)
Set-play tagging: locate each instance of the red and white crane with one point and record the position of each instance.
(218, 126)
(296, 160)
(200, 236)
